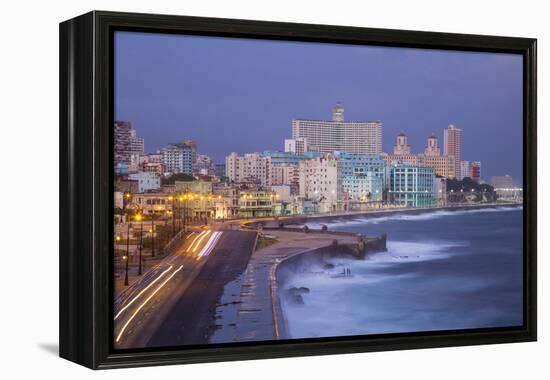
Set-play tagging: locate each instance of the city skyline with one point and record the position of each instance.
(243, 167)
(163, 111)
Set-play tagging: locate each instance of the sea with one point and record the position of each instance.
(444, 270)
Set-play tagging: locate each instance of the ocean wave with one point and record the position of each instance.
(405, 216)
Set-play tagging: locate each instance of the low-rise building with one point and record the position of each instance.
(502, 182)
(412, 186)
(203, 165)
(147, 181)
(195, 187)
(441, 191)
(125, 185)
(256, 203)
(250, 168)
(475, 171)
(464, 170)
(153, 203)
(153, 167)
(226, 201)
(320, 182)
(297, 145)
(365, 188)
(282, 193)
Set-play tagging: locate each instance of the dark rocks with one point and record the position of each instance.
(295, 295)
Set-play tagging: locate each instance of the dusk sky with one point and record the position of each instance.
(240, 95)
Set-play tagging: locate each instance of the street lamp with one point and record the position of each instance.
(182, 218)
(171, 199)
(127, 252)
(139, 218)
(153, 233)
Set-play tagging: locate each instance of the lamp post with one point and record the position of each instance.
(139, 218)
(153, 233)
(171, 199)
(181, 200)
(127, 252)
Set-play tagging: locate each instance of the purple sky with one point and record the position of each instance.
(241, 95)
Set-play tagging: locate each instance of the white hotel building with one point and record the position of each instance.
(339, 135)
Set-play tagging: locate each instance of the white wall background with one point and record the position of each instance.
(29, 149)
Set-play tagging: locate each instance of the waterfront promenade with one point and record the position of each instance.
(249, 309)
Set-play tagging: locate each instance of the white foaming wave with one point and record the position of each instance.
(343, 299)
(429, 215)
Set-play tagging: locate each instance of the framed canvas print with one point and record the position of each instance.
(238, 189)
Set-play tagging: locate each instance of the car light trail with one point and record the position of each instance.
(210, 245)
(194, 240)
(143, 291)
(145, 302)
(200, 240)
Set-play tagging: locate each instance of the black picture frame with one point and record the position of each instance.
(86, 180)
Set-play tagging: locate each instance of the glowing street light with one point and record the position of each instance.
(127, 256)
(139, 218)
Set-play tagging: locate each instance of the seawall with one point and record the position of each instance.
(250, 307)
(291, 222)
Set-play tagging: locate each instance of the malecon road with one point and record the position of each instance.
(173, 304)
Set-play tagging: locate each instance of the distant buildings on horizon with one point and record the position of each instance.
(327, 165)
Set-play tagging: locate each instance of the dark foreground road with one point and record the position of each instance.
(175, 303)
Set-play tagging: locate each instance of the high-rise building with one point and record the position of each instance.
(251, 168)
(452, 139)
(327, 136)
(126, 143)
(177, 159)
(193, 146)
(137, 144)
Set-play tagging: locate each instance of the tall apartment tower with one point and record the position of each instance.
(328, 136)
(126, 143)
(452, 146)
